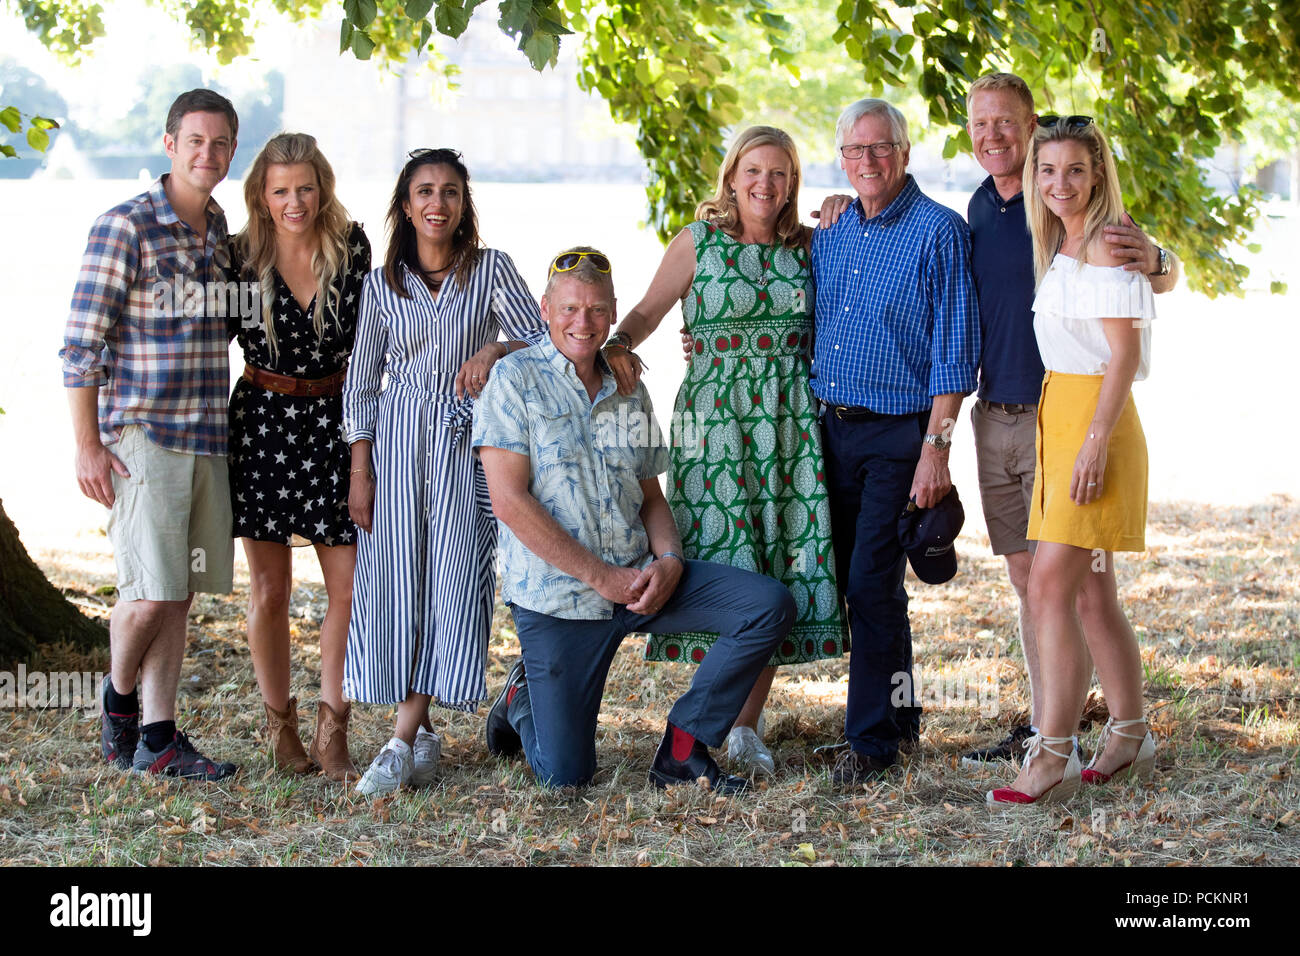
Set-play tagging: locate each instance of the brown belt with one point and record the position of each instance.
(288, 385)
(1010, 409)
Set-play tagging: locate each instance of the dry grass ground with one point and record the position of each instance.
(1215, 601)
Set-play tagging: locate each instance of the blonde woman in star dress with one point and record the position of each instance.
(288, 462)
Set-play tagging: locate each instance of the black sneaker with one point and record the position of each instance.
(180, 759)
(1010, 747)
(119, 733)
(502, 739)
(854, 768)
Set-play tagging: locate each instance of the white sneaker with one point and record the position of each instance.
(424, 764)
(745, 752)
(389, 770)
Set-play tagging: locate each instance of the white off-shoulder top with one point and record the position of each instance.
(1072, 300)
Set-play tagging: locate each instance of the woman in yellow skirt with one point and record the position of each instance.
(1092, 322)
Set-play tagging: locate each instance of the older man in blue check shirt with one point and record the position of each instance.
(897, 348)
(590, 551)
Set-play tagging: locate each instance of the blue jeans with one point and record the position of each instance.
(870, 466)
(567, 661)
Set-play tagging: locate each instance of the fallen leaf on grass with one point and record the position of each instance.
(804, 852)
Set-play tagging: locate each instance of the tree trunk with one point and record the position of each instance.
(32, 611)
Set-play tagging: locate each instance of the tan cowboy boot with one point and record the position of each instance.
(286, 745)
(329, 748)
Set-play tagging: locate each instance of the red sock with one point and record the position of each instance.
(510, 695)
(683, 743)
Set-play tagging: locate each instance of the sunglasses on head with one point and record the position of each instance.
(568, 261)
(441, 152)
(1071, 122)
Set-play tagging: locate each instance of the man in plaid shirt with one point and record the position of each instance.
(147, 374)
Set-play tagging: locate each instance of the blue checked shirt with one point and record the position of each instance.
(139, 328)
(586, 462)
(896, 317)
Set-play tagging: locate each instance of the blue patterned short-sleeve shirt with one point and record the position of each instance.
(587, 460)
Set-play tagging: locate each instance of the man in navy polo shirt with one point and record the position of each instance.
(1001, 122)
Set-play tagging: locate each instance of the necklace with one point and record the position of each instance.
(765, 258)
(430, 277)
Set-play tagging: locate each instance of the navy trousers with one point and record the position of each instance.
(870, 465)
(566, 663)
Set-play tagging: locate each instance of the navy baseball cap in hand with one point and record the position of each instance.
(928, 535)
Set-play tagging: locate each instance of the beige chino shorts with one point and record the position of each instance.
(171, 522)
(1006, 461)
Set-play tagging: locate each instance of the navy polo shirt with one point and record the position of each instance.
(1002, 260)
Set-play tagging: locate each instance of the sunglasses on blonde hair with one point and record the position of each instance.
(1070, 122)
(568, 261)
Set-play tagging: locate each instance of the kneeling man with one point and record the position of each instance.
(590, 552)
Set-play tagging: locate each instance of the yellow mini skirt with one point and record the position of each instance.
(1117, 520)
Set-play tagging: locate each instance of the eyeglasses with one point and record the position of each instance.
(441, 152)
(1071, 122)
(568, 261)
(878, 150)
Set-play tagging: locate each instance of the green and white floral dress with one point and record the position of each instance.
(746, 483)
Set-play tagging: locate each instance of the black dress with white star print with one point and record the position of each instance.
(288, 460)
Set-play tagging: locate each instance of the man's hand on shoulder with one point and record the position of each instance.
(1134, 247)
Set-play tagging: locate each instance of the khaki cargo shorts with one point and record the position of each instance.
(171, 522)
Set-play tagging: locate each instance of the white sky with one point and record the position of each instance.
(137, 37)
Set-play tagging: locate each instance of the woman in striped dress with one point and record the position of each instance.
(425, 582)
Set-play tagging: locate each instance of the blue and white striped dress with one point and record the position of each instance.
(425, 581)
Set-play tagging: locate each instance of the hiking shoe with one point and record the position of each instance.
(424, 757)
(747, 753)
(390, 769)
(180, 759)
(502, 738)
(1009, 747)
(854, 768)
(119, 733)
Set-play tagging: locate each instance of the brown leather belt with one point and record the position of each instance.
(302, 387)
(1010, 409)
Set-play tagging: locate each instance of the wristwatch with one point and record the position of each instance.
(939, 442)
(1164, 267)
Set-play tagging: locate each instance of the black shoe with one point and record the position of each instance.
(119, 733)
(502, 739)
(180, 759)
(854, 768)
(1010, 747)
(667, 772)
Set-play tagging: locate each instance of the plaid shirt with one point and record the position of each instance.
(138, 328)
(897, 320)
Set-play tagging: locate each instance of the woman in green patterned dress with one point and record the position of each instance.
(747, 487)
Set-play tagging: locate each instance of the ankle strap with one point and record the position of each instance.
(1114, 726)
(1041, 741)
